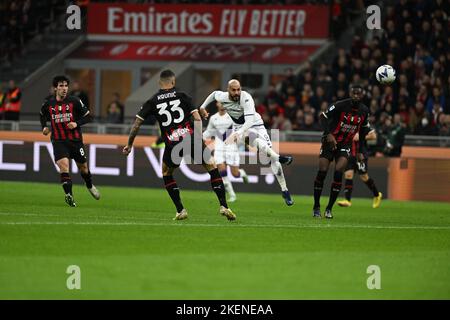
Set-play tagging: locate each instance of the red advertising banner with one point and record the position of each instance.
(280, 54)
(305, 24)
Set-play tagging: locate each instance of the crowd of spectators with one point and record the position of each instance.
(20, 21)
(415, 41)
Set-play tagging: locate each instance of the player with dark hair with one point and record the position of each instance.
(361, 167)
(340, 122)
(66, 115)
(174, 111)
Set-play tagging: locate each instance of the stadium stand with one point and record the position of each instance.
(31, 34)
(415, 41)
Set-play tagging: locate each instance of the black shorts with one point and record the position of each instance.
(69, 149)
(360, 166)
(328, 153)
(175, 152)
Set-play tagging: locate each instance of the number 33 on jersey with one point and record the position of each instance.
(172, 110)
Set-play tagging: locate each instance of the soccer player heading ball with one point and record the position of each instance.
(340, 122)
(66, 115)
(174, 111)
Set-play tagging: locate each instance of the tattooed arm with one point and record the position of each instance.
(133, 133)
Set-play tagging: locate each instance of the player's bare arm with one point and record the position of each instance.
(203, 113)
(325, 125)
(196, 115)
(133, 133)
(202, 110)
(372, 135)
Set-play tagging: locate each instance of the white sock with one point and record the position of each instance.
(277, 170)
(242, 173)
(262, 145)
(228, 185)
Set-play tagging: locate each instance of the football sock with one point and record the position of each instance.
(335, 188)
(278, 172)
(318, 186)
(371, 185)
(174, 191)
(241, 173)
(227, 182)
(87, 179)
(218, 187)
(66, 182)
(262, 145)
(348, 189)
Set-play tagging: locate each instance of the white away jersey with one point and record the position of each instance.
(237, 110)
(220, 127)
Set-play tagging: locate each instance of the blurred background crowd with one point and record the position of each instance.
(415, 40)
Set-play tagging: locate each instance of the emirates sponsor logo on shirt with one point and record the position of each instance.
(63, 117)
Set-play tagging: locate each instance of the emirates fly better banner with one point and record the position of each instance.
(306, 24)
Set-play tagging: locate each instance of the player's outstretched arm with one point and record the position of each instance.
(133, 133)
(202, 110)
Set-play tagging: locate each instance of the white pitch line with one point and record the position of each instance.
(225, 224)
(20, 214)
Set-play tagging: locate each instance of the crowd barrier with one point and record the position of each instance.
(422, 173)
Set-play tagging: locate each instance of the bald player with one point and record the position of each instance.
(246, 121)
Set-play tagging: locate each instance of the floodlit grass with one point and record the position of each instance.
(128, 247)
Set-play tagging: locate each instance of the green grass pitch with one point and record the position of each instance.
(128, 247)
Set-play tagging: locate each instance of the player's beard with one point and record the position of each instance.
(235, 98)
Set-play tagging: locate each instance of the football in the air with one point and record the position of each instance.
(385, 74)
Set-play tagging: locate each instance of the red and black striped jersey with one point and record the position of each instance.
(356, 148)
(173, 110)
(344, 119)
(60, 113)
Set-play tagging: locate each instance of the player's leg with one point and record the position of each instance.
(66, 180)
(61, 155)
(239, 173)
(233, 160)
(216, 181)
(325, 158)
(168, 167)
(222, 167)
(348, 189)
(79, 155)
(261, 141)
(341, 164)
(377, 196)
(219, 157)
(219, 189)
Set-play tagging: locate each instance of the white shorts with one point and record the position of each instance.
(227, 154)
(254, 132)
